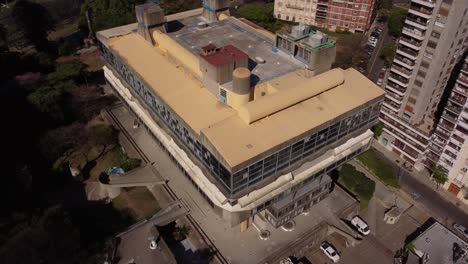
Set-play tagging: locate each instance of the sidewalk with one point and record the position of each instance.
(421, 176)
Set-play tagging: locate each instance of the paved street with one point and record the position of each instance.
(435, 203)
(376, 63)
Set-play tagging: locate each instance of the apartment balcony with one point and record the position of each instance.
(406, 149)
(463, 123)
(391, 104)
(401, 71)
(454, 108)
(447, 157)
(464, 114)
(295, 7)
(322, 2)
(460, 90)
(462, 80)
(398, 79)
(460, 134)
(417, 34)
(405, 62)
(393, 87)
(457, 139)
(465, 68)
(439, 141)
(448, 126)
(432, 156)
(452, 149)
(428, 3)
(449, 118)
(436, 148)
(409, 53)
(458, 99)
(394, 97)
(409, 132)
(420, 11)
(417, 22)
(416, 45)
(443, 134)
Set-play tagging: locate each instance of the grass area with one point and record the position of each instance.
(137, 201)
(357, 183)
(379, 167)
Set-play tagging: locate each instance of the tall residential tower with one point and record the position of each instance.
(433, 39)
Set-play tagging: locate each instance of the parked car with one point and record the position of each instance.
(379, 30)
(372, 42)
(153, 245)
(375, 34)
(379, 82)
(462, 229)
(359, 223)
(329, 251)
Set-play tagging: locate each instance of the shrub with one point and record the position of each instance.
(357, 183)
(380, 168)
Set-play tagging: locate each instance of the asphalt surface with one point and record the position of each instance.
(375, 62)
(432, 201)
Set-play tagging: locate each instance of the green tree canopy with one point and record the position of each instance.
(103, 135)
(50, 101)
(261, 14)
(66, 71)
(396, 20)
(439, 176)
(35, 22)
(387, 53)
(109, 13)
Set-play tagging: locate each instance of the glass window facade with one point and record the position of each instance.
(259, 170)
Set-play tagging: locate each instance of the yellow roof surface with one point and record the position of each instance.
(233, 138)
(238, 142)
(182, 92)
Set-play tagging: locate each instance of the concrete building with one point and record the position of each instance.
(348, 15)
(448, 148)
(433, 39)
(254, 126)
(437, 245)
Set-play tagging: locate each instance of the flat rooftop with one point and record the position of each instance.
(234, 139)
(439, 243)
(219, 122)
(232, 31)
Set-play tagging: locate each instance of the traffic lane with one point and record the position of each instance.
(432, 201)
(376, 63)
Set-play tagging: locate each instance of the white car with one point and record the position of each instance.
(372, 42)
(462, 229)
(330, 252)
(360, 225)
(153, 245)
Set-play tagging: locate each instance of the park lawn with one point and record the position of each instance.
(357, 183)
(138, 201)
(379, 167)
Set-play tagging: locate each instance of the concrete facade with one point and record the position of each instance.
(448, 148)
(239, 160)
(433, 39)
(348, 15)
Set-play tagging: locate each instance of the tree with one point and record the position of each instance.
(57, 141)
(181, 232)
(49, 100)
(386, 4)
(439, 176)
(104, 136)
(261, 14)
(396, 20)
(387, 53)
(66, 71)
(176, 6)
(35, 22)
(108, 13)
(378, 129)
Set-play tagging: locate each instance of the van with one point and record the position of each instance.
(361, 226)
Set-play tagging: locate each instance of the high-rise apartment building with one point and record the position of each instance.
(448, 148)
(433, 39)
(255, 120)
(348, 15)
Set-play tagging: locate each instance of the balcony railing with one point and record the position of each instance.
(442, 134)
(418, 21)
(421, 9)
(404, 60)
(449, 118)
(399, 78)
(453, 108)
(395, 88)
(394, 96)
(391, 104)
(428, 3)
(406, 72)
(420, 140)
(458, 99)
(462, 80)
(413, 33)
(461, 90)
(407, 41)
(409, 51)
